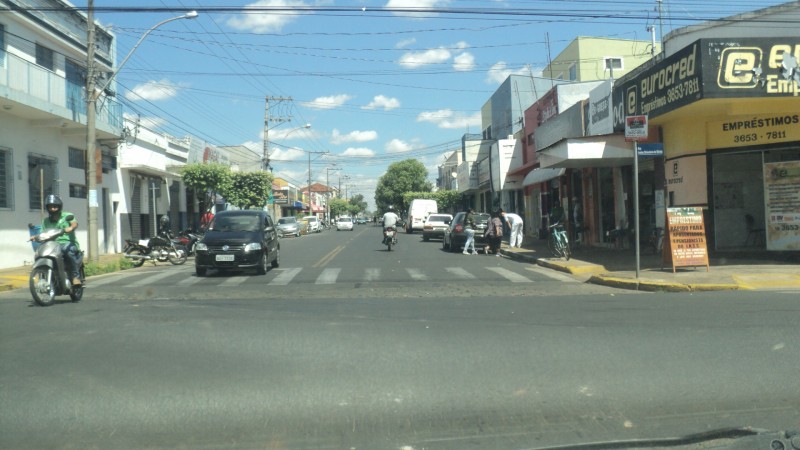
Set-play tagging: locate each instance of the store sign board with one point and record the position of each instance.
(747, 131)
(751, 67)
(636, 128)
(685, 239)
(280, 196)
(782, 191)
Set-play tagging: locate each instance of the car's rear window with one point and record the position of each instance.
(287, 220)
(235, 223)
(438, 218)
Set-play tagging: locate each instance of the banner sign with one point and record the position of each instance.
(636, 128)
(782, 190)
(685, 240)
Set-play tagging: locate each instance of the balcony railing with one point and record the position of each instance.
(42, 85)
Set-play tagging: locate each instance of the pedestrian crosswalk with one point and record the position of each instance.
(185, 277)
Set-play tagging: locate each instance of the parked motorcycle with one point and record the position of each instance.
(157, 248)
(389, 237)
(188, 239)
(49, 276)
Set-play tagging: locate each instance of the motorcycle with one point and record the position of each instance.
(188, 239)
(49, 276)
(389, 237)
(157, 248)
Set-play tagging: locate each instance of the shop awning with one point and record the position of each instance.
(541, 175)
(591, 151)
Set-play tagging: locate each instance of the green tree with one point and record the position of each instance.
(358, 204)
(249, 189)
(338, 207)
(206, 179)
(409, 175)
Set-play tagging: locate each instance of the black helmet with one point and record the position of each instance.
(53, 200)
(390, 208)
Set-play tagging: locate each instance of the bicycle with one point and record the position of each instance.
(558, 241)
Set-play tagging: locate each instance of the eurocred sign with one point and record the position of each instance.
(710, 68)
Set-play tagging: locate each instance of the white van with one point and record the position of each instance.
(313, 224)
(418, 211)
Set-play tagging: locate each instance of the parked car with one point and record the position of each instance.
(454, 237)
(344, 223)
(435, 226)
(313, 224)
(288, 226)
(244, 239)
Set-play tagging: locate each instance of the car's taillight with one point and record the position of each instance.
(459, 228)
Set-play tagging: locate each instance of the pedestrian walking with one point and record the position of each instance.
(494, 233)
(469, 230)
(514, 223)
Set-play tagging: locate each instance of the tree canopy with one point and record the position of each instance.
(404, 176)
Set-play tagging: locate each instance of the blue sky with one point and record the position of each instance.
(377, 81)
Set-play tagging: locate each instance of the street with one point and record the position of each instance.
(346, 345)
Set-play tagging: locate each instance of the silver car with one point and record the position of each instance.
(288, 226)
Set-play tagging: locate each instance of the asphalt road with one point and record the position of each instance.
(349, 346)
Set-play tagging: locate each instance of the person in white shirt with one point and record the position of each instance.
(515, 224)
(390, 219)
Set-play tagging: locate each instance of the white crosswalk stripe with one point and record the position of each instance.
(234, 281)
(328, 276)
(509, 275)
(285, 277)
(417, 274)
(151, 279)
(188, 281)
(372, 274)
(461, 273)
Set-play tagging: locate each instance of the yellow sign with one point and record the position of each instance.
(748, 131)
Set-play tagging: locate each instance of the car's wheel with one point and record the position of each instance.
(277, 261)
(261, 269)
(445, 247)
(426, 238)
(200, 271)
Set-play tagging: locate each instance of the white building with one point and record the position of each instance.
(43, 123)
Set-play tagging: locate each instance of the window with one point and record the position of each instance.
(44, 57)
(613, 63)
(42, 179)
(108, 163)
(77, 191)
(573, 72)
(77, 158)
(6, 179)
(2, 45)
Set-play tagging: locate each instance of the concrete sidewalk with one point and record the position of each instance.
(750, 269)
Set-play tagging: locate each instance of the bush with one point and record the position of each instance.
(92, 269)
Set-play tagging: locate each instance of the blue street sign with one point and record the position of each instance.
(655, 150)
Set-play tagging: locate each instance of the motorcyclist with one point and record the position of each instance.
(164, 228)
(56, 219)
(390, 219)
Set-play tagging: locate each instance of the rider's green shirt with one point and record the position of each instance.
(62, 223)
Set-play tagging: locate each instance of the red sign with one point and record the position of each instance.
(635, 128)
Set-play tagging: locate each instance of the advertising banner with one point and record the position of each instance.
(782, 191)
(751, 67)
(746, 131)
(280, 196)
(686, 238)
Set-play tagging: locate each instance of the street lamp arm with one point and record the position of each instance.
(189, 15)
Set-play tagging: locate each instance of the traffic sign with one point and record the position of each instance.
(653, 150)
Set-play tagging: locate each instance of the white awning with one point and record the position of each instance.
(589, 151)
(541, 175)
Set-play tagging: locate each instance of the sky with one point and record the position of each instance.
(377, 81)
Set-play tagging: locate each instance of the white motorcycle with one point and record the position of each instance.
(49, 276)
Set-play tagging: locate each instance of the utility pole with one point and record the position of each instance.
(328, 185)
(91, 168)
(309, 179)
(267, 120)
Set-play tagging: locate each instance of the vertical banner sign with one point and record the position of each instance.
(686, 238)
(782, 191)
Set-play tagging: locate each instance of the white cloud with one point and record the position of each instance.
(449, 119)
(288, 133)
(354, 136)
(330, 102)
(416, 4)
(362, 151)
(153, 91)
(500, 71)
(287, 154)
(265, 22)
(383, 102)
(398, 146)
(412, 60)
(464, 62)
(406, 42)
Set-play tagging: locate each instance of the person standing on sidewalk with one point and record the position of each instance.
(514, 223)
(469, 230)
(494, 233)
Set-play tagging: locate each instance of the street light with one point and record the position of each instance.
(92, 95)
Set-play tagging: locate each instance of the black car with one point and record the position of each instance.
(245, 239)
(454, 236)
